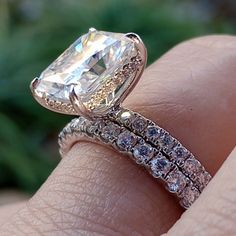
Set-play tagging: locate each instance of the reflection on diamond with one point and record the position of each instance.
(89, 66)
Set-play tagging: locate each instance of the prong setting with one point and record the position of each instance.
(101, 99)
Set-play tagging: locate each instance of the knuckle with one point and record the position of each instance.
(214, 41)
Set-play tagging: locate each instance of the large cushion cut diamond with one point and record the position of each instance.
(89, 66)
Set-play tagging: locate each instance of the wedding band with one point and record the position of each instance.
(91, 79)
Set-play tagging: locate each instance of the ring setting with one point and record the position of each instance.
(93, 75)
(91, 79)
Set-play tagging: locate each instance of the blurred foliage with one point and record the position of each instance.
(33, 33)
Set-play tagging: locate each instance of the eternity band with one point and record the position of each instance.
(148, 145)
(91, 79)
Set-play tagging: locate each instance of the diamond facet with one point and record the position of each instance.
(91, 66)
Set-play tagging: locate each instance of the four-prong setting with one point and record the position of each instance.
(93, 75)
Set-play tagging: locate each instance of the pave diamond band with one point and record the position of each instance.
(91, 79)
(162, 139)
(148, 154)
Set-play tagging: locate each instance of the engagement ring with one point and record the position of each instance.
(90, 80)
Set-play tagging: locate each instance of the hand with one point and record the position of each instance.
(191, 92)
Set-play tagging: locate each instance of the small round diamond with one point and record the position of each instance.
(133, 66)
(166, 141)
(152, 132)
(203, 179)
(92, 129)
(126, 140)
(179, 153)
(110, 131)
(160, 166)
(190, 194)
(139, 124)
(143, 152)
(67, 129)
(191, 166)
(176, 181)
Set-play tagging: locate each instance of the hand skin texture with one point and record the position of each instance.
(191, 92)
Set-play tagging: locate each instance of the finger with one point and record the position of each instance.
(97, 190)
(215, 211)
(10, 209)
(191, 92)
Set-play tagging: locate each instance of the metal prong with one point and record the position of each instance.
(139, 44)
(142, 53)
(78, 104)
(34, 84)
(91, 30)
(134, 37)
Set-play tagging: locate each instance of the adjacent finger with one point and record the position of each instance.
(214, 213)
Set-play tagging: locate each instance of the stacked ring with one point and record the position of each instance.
(91, 79)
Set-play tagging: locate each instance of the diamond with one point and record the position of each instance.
(139, 124)
(190, 194)
(176, 181)
(160, 166)
(78, 123)
(126, 140)
(110, 131)
(152, 132)
(166, 141)
(191, 166)
(179, 153)
(203, 179)
(89, 66)
(143, 153)
(92, 128)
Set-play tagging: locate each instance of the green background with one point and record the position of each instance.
(34, 33)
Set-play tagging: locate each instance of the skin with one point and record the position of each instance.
(191, 92)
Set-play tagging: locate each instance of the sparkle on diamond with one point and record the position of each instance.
(86, 65)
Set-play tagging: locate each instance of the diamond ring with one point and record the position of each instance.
(91, 79)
